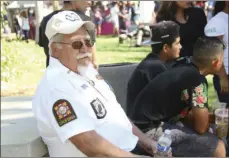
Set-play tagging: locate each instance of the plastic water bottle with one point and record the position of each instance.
(164, 144)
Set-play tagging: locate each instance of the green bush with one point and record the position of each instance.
(9, 61)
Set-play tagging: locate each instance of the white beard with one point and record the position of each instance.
(82, 69)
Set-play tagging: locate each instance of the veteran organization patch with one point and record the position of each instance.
(63, 112)
(98, 108)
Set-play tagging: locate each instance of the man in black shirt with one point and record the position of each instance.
(180, 96)
(79, 7)
(165, 47)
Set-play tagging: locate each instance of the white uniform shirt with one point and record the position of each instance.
(67, 104)
(218, 26)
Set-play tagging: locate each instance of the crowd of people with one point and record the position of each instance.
(76, 108)
(25, 24)
(122, 14)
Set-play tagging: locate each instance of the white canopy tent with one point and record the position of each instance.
(21, 4)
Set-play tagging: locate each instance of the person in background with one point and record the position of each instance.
(123, 16)
(115, 18)
(210, 8)
(32, 23)
(25, 25)
(17, 27)
(131, 9)
(147, 14)
(98, 18)
(218, 27)
(79, 7)
(106, 11)
(192, 21)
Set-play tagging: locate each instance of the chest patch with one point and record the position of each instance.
(63, 112)
(98, 108)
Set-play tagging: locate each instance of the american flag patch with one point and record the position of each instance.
(84, 86)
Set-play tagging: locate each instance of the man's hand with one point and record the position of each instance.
(224, 84)
(149, 145)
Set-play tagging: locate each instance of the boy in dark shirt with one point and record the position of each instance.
(165, 47)
(179, 95)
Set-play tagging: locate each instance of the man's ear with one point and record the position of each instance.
(216, 63)
(54, 49)
(165, 48)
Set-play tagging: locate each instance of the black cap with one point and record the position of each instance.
(163, 31)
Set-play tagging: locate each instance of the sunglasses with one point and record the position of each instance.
(79, 44)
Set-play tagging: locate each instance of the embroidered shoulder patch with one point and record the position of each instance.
(63, 112)
(98, 108)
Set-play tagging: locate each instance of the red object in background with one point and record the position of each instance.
(107, 28)
(200, 4)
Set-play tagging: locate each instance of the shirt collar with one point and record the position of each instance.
(55, 63)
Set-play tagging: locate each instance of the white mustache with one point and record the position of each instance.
(83, 55)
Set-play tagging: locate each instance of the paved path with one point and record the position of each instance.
(16, 112)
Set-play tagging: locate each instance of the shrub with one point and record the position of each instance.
(9, 61)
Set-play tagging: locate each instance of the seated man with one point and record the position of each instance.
(180, 95)
(74, 106)
(165, 47)
(142, 32)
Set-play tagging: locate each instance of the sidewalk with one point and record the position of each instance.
(18, 127)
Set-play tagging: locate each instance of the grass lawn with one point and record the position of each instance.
(32, 63)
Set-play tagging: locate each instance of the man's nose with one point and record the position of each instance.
(84, 48)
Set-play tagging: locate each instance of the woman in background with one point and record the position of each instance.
(192, 21)
(98, 17)
(25, 25)
(32, 23)
(115, 18)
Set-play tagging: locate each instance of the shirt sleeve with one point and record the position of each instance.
(199, 96)
(214, 28)
(69, 113)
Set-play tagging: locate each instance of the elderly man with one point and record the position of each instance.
(74, 106)
(78, 6)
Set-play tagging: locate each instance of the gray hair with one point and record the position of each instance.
(56, 38)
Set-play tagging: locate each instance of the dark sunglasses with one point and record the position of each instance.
(79, 44)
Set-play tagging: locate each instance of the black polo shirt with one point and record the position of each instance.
(43, 40)
(169, 96)
(147, 69)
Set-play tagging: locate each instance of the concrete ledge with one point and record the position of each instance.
(19, 136)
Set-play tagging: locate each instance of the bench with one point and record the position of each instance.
(19, 134)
